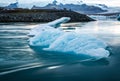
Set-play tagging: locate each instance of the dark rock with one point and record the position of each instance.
(41, 15)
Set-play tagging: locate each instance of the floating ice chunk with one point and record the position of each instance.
(45, 38)
(75, 43)
(50, 38)
(57, 22)
(48, 26)
(38, 29)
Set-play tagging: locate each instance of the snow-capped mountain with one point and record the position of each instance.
(102, 6)
(82, 8)
(12, 6)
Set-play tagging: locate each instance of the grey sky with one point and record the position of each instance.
(107, 2)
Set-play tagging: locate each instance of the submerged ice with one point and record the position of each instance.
(50, 38)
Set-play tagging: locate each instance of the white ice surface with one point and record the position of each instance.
(50, 25)
(45, 38)
(76, 43)
(57, 22)
(55, 40)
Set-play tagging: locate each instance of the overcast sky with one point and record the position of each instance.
(107, 2)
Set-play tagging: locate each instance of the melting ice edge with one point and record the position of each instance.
(52, 39)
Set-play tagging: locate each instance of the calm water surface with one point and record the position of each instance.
(19, 62)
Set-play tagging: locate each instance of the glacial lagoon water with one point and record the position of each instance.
(19, 62)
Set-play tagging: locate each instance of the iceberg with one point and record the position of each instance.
(50, 38)
(57, 22)
(76, 43)
(49, 26)
(45, 38)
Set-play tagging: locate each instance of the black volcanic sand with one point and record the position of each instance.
(41, 15)
(15, 52)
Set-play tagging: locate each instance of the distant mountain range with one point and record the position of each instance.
(80, 7)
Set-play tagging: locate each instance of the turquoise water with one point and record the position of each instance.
(19, 62)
